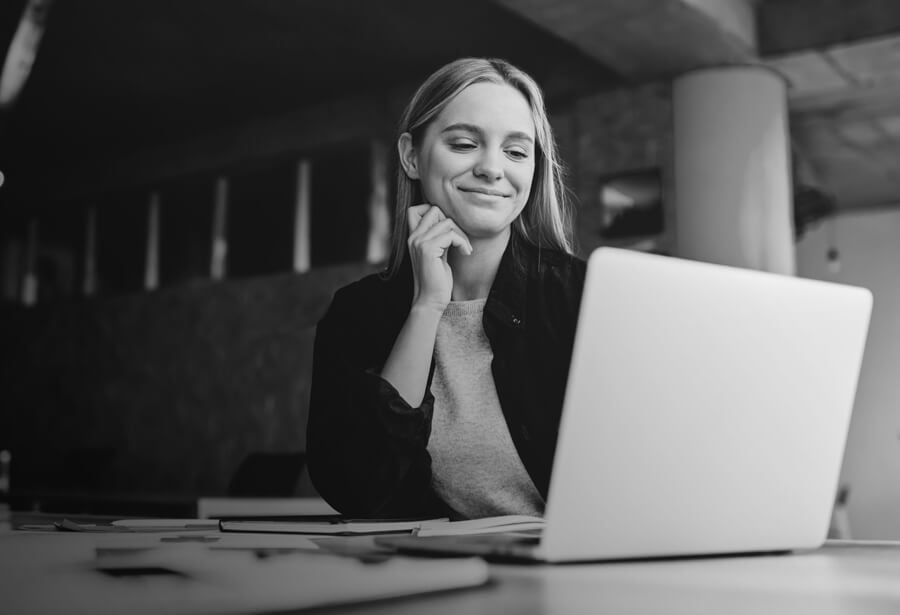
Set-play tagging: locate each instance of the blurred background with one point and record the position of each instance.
(184, 184)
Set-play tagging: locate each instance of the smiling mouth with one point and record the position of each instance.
(484, 191)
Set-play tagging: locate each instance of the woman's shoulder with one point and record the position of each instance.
(366, 289)
(374, 292)
(368, 285)
(554, 264)
(563, 260)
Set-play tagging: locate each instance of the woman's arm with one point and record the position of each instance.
(409, 363)
(431, 237)
(366, 446)
(369, 424)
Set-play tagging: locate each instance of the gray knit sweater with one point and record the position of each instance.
(475, 467)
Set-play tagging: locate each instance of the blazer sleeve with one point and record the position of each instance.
(366, 446)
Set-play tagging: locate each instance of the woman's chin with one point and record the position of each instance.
(483, 231)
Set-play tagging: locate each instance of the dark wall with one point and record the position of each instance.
(162, 392)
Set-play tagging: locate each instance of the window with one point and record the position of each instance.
(632, 205)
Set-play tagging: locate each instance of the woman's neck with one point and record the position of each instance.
(473, 274)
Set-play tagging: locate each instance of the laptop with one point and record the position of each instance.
(706, 412)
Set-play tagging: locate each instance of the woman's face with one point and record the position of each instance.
(476, 159)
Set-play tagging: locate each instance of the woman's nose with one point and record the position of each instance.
(489, 166)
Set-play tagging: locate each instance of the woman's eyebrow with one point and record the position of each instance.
(524, 136)
(477, 130)
(463, 127)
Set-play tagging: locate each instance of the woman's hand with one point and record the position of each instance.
(431, 236)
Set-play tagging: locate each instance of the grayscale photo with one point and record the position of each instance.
(449, 306)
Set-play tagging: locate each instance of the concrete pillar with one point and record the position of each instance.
(732, 174)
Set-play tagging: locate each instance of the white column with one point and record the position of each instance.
(301, 217)
(30, 280)
(379, 243)
(732, 176)
(151, 255)
(220, 230)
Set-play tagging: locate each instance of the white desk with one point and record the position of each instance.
(843, 577)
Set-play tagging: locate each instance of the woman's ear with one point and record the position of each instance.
(408, 155)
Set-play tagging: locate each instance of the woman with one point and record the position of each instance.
(437, 387)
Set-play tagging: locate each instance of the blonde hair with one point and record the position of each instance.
(546, 219)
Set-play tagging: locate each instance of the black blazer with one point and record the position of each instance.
(366, 446)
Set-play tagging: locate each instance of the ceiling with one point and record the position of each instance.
(111, 76)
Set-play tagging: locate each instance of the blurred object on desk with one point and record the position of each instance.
(190, 578)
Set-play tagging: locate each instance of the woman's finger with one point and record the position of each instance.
(443, 227)
(423, 217)
(432, 216)
(415, 213)
(452, 238)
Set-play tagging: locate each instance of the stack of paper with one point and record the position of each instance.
(338, 526)
(335, 526)
(486, 525)
(420, 527)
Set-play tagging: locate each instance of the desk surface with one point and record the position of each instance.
(842, 577)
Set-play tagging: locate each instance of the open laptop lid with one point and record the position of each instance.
(706, 411)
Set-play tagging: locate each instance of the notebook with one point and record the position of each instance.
(351, 527)
(706, 412)
(332, 525)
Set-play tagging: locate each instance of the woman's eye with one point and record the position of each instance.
(517, 154)
(462, 145)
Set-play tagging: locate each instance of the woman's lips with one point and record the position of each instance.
(484, 191)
